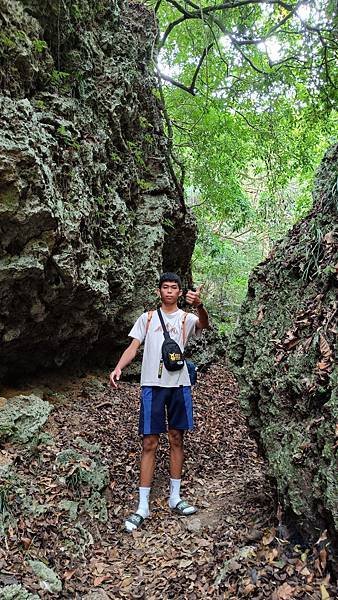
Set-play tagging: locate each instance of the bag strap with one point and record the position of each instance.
(184, 332)
(150, 316)
(165, 331)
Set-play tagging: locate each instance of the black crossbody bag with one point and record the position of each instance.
(172, 355)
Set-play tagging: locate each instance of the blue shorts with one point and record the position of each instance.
(159, 402)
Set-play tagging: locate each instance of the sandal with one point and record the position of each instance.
(135, 521)
(184, 508)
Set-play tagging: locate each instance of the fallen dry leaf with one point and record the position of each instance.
(323, 558)
(183, 564)
(324, 347)
(322, 537)
(324, 593)
(100, 579)
(329, 238)
(283, 592)
(323, 365)
(269, 536)
(69, 574)
(26, 542)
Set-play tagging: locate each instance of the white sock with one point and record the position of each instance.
(143, 504)
(143, 507)
(175, 498)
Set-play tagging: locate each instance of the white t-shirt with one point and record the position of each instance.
(153, 346)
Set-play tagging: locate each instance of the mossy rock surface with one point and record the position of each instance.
(283, 355)
(49, 580)
(16, 592)
(86, 187)
(21, 417)
(82, 470)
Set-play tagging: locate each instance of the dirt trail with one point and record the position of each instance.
(229, 549)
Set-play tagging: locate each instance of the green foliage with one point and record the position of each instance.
(63, 131)
(156, 94)
(144, 123)
(115, 157)
(67, 137)
(6, 41)
(223, 265)
(75, 11)
(148, 138)
(59, 78)
(168, 224)
(40, 104)
(137, 153)
(145, 185)
(252, 136)
(39, 45)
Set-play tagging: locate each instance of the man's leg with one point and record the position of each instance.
(180, 418)
(150, 444)
(152, 419)
(176, 453)
(176, 464)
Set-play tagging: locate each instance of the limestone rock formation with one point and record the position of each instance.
(17, 592)
(48, 579)
(21, 417)
(89, 210)
(283, 354)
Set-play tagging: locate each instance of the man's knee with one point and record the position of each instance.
(175, 438)
(150, 443)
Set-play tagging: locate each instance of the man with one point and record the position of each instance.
(163, 393)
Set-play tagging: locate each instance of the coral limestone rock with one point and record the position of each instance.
(283, 354)
(21, 417)
(89, 210)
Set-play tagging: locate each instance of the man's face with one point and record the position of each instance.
(169, 292)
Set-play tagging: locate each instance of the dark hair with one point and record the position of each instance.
(170, 277)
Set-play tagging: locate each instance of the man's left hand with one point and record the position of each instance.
(194, 298)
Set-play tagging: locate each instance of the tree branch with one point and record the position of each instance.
(190, 10)
(191, 89)
(226, 5)
(200, 63)
(177, 83)
(169, 29)
(180, 8)
(170, 156)
(216, 21)
(247, 59)
(273, 29)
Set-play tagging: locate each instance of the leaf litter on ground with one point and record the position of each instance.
(232, 548)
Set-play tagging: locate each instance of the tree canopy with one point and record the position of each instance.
(250, 90)
(272, 40)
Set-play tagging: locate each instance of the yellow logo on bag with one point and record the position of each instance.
(174, 356)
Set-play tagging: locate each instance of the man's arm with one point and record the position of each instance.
(194, 299)
(203, 317)
(126, 358)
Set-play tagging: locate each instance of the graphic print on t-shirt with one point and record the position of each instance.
(171, 329)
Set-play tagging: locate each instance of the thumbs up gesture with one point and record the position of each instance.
(194, 298)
